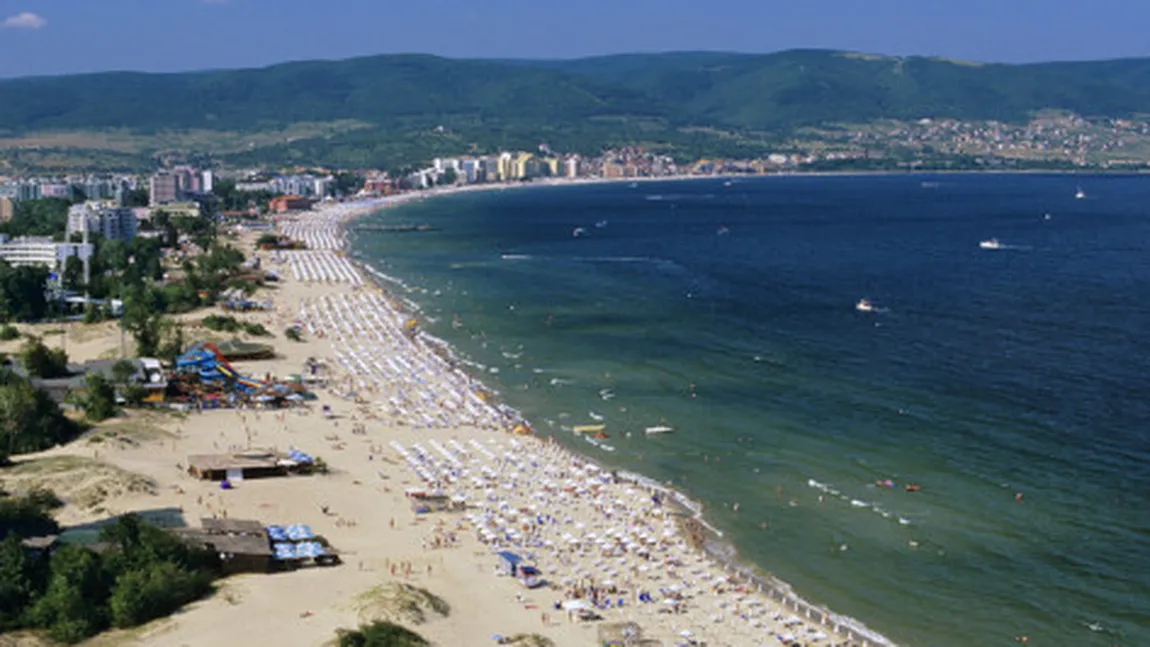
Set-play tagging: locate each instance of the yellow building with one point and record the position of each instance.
(505, 167)
(552, 166)
(519, 166)
(7, 209)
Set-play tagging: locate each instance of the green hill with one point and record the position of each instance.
(702, 102)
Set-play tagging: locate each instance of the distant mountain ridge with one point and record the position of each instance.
(628, 97)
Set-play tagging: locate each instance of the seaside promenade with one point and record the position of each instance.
(405, 420)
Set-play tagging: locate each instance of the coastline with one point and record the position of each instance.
(713, 542)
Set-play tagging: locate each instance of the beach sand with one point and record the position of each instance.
(405, 419)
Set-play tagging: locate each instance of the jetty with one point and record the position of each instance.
(396, 228)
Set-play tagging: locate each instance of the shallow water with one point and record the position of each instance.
(728, 312)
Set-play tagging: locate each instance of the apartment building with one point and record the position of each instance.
(113, 223)
(41, 251)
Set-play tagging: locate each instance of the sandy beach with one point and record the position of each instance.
(405, 419)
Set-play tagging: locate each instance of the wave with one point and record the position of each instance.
(385, 277)
(858, 503)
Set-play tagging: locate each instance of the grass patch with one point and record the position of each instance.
(529, 640)
(82, 482)
(129, 432)
(400, 603)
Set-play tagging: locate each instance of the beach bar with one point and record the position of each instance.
(243, 546)
(235, 467)
(248, 465)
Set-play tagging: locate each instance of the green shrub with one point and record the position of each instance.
(256, 330)
(43, 362)
(9, 332)
(221, 323)
(380, 634)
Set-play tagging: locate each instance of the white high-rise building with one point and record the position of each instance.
(113, 223)
(41, 251)
(207, 181)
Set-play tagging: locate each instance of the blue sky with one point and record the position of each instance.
(64, 36)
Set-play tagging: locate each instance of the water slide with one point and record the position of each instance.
(210, 363)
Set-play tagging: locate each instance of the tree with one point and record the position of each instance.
(22, 295)
(42, 217)
(30, 420)
(43, 362)
(73, 278)
(20, 583)
(347, 183)
(99, 400)
(173, 341)
(449, 177)
(143, 318)
(74, 605)
(137, 197)
(123, 370)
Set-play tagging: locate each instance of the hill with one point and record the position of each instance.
(686, 101)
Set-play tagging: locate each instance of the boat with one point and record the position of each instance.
(601, 224)
(579, 231)
(990, 244)
(864, 306)
(588, 429)
(659, 429)
(1078, 195)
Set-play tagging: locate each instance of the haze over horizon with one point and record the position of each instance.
(49, 37)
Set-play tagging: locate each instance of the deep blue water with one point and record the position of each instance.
(728, 311)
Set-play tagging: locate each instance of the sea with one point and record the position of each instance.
(1010, 387)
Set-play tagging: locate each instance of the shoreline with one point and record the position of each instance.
(422, 194)
(714, 543)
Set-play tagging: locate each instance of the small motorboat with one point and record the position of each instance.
(864, 306)
(659, 429)
(1079, 194)
(578, 231)
(990, 244)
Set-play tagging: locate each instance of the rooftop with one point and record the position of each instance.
(224, 462)
(234, 544)
(231, 526)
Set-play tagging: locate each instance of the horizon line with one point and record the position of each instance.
(590, 57)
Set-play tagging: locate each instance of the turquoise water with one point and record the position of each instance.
(728, 312)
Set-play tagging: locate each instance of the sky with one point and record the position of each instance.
(39, 37)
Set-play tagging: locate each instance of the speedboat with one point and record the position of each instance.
(864, 306)
(601, 224)
(659, 429)
(579, 231)
(1078, 195)
(990, 244)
